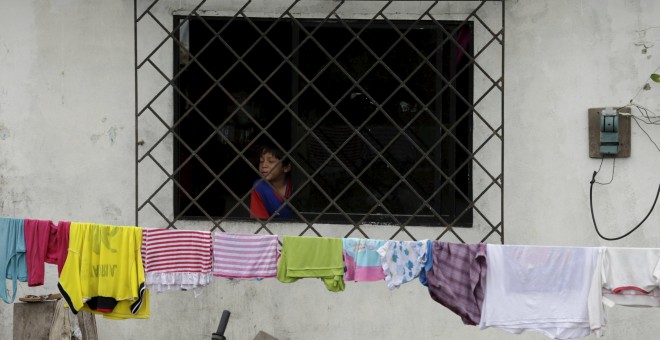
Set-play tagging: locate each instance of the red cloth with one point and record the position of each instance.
(45, 242)
(40, 238)
(61, 246)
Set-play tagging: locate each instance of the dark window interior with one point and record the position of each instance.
(401, 133)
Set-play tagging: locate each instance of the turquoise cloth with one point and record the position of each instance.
(304, 257)
(12, 255)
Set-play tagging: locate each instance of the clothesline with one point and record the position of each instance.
(557, 291)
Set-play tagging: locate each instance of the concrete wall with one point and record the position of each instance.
(67, 153)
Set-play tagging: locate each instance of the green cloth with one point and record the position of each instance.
(312, 257)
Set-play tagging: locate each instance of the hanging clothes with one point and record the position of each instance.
(104, 272)
(631, 276)
(177, 259)
(45, 243)
(40, 246)
(457, 278)
(362, 260)
(428, 266)
(244, 256)
(61, 245)
(402, 261)
(307, 257)
(540, 289)
(626, 277)
(12, 255)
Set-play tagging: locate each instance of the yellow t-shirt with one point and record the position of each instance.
(104, 262)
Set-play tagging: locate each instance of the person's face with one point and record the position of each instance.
(271, 167)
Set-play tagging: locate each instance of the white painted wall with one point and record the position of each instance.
(67, 152)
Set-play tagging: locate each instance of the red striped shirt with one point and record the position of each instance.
(177, 251)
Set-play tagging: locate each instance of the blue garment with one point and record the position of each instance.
(272, 201)
(427, 266)
(12, 255)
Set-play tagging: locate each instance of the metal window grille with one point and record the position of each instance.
(369, 143)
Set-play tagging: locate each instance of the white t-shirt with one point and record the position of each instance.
(627, 277)
(541, 289)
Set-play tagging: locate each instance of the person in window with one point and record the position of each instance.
(268, 193)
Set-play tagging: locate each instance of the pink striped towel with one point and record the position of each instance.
(244, 256)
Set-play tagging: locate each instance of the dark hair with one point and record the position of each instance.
(276, 152)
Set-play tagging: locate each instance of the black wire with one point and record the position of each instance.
(646, 133)
(601, 164)
(593, 218)
(644, 112)
(655, 120)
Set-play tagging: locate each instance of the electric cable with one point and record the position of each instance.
(646, 133)
(593, 218)
(650, 117)
(601, 165)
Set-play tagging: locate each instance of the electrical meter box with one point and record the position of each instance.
(609, 132)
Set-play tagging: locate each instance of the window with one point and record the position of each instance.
(376, 117)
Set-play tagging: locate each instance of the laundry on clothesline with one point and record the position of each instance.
(561, 292)
(540, 289)
(362, 262)
(625, 277)
(177, 259)
(104, 272)
(402, 261)
(12, 255)
(45, 243)
(245, 256)
(457, 277)
(312, 257)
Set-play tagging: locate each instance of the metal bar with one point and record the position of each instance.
(502, 123)
(448, 133)
(193, 59)
(332, 105)
(356, 36)
(240, 106)
(379, 202)
(169, 33)
(135, 119)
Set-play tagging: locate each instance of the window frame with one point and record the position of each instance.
(465, 221)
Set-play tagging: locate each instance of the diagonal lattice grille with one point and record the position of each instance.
(391, 116)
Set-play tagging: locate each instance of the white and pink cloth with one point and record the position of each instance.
(245, 256)
(361, 260)
(625, 277)
(177, 259)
